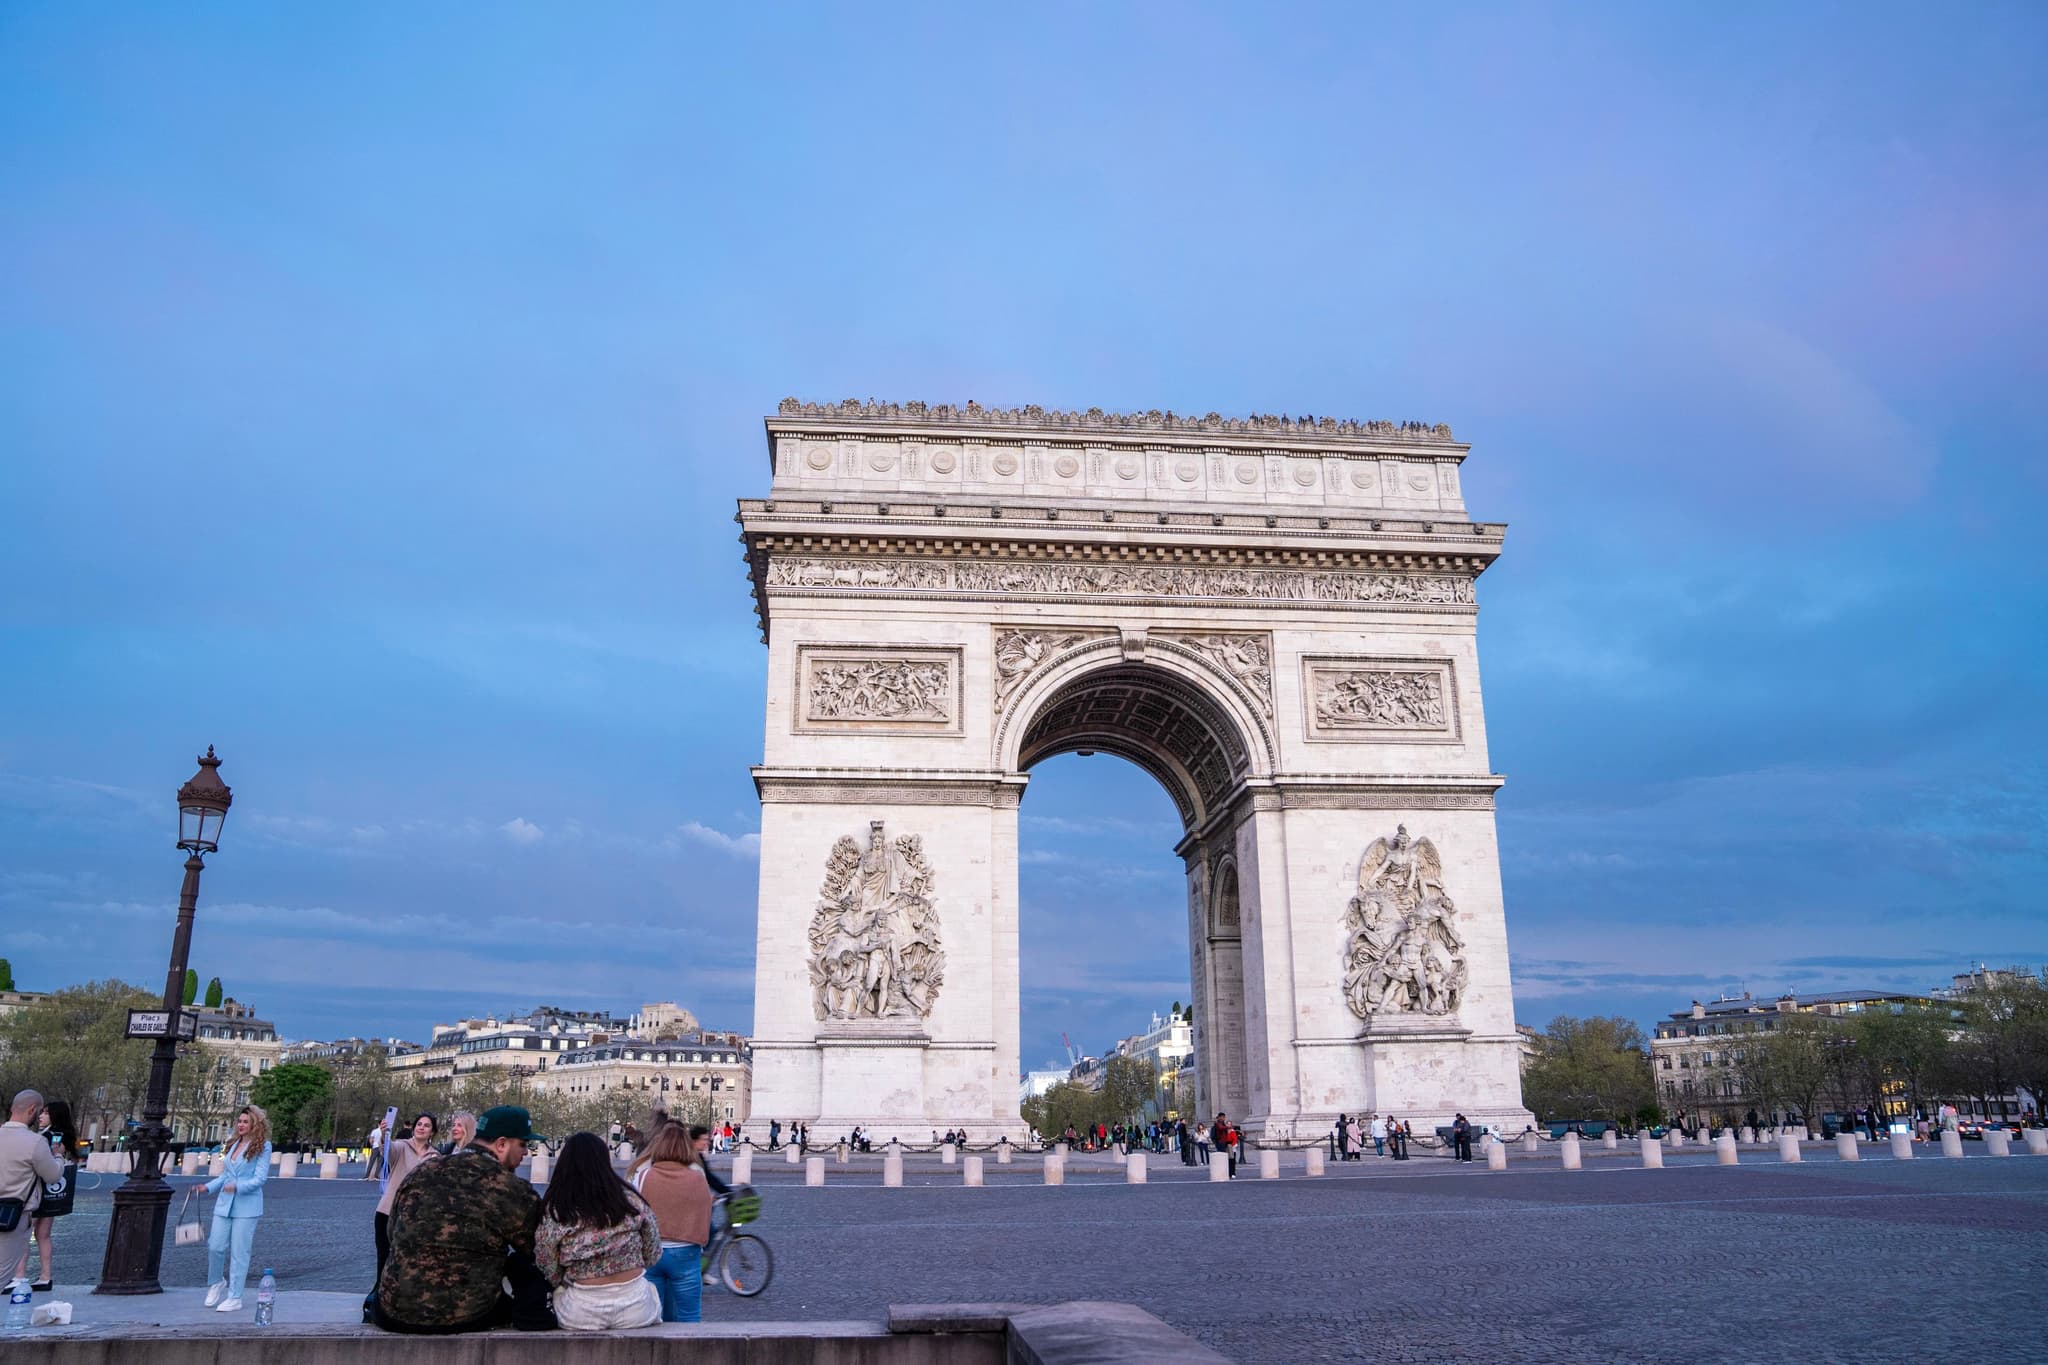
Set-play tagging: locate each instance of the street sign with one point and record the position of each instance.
(157, 1024)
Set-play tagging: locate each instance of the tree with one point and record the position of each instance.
(1899, 1056)
(6, 975)
(1588, 1069)
(1787, 1068)
(73, 1046)
(2010, 1016)
(191, 987)
(1130, 1085)
(295, 1095)
(213, 994)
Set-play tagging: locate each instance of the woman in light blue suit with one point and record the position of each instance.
(240, 1187)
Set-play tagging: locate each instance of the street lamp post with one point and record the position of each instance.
(135, 1239)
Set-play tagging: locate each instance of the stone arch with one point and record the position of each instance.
(1225, 908)
(1164, 707)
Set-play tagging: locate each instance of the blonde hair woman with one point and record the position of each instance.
(244, 1168)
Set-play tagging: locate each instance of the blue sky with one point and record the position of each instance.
(376, 383)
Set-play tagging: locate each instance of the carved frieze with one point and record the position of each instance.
(1405, 955)
(878, 687)
(1247, 658)
(1384, 699)
(1021, 653)
(875, 950)
(969, 577)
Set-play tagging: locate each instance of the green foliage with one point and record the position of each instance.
(1129, 1086)
(213, 993)
(1594, 1068)
(2010, 1018)
(1788, 1068)
(191, 987)
(71, 1047)
(6, 975)
(1896, 1060)
(295, 1095)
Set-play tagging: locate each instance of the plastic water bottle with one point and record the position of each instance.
(18, 1305)
(266, 1298)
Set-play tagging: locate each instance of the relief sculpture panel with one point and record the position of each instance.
(1388, 699)
(1247, 658)
(875, 951)
(899, 689)
(1405, 955)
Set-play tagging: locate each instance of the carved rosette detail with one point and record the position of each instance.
(1020, 653)
(879, 689)
(1247, 658)
(1380, 699)
(1120, 580)
(875, 951)
(1405, 955)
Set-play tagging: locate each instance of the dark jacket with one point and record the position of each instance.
(453, 1223)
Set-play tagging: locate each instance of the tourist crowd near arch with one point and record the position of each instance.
(1274, 617)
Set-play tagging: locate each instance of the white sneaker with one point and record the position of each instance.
(213, 1293)
(229, 1306)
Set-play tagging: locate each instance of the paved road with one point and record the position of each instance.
(1376, 1261)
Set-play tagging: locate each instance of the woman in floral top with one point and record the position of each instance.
(596, 1238)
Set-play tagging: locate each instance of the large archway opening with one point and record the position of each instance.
(1116, 932)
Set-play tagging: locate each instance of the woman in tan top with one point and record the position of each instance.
(671, 1179)
(400, 1158)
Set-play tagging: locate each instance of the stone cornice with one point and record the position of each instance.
(889, 786)
(973, 416)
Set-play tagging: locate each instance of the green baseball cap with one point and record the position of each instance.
(506, 1121)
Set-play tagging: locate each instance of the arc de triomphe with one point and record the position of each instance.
(1274, 617)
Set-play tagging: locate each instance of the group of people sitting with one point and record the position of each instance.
(596, 1251)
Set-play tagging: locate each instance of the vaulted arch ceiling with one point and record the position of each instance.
(1153, 718)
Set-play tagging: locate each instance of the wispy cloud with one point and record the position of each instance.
(737, 845)
(520, 830)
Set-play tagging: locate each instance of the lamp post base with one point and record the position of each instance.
(135, 1240)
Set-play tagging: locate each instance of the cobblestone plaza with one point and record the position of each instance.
(1824, 1260)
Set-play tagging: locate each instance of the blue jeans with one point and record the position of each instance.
(679, 1279)
(238, 1234)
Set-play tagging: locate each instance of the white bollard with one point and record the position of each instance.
(1788, 1146)
(1997, 1142)
(814, 1171)
(742, 1168)
(948, 1154)
(1531, 1143)
(330, 1165)
(1059, 1149)
(1003, 1152)
(970, 1170)
(1611, 1140)
(1747, 1137)
(216, 1165)
(1496, 1155)
(1055, 1169)
(1653, 1155)
(1902, 1146)
(1568, 1152)
(275, 1158)
(1951, 1142)
(1674, 1139)
(842, 1154)
(1219, 1167)
(796, 1155)
(2037, 1141)
(1314, 1163)
(1845, 1147)
(542, 1168)
(188, 1164)
(1269, 1163)
(1724, 1150)
(1134, 1169)
(892, 1170)
(288, 1166)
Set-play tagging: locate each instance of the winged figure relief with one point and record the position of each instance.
(1405, 955)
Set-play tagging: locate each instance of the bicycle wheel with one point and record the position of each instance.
(746, 1265)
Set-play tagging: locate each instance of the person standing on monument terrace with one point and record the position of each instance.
(1461, 1138)
(461, 1227)
(400, 1158)
(1379, 1136)
(671, 1180)
(596, 1241)
(55, 1128)
(237, 1210)
(26, 1165)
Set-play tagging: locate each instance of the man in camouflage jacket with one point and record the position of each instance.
(459, 1225)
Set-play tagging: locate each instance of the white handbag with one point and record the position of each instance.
(188, 1232)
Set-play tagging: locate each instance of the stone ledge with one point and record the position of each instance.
(1085, 1333)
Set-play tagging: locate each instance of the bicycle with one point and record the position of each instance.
(742, 1260)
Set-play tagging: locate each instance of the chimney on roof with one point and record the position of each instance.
(1699, 1011)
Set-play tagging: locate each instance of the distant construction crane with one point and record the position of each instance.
(1073, 1057)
